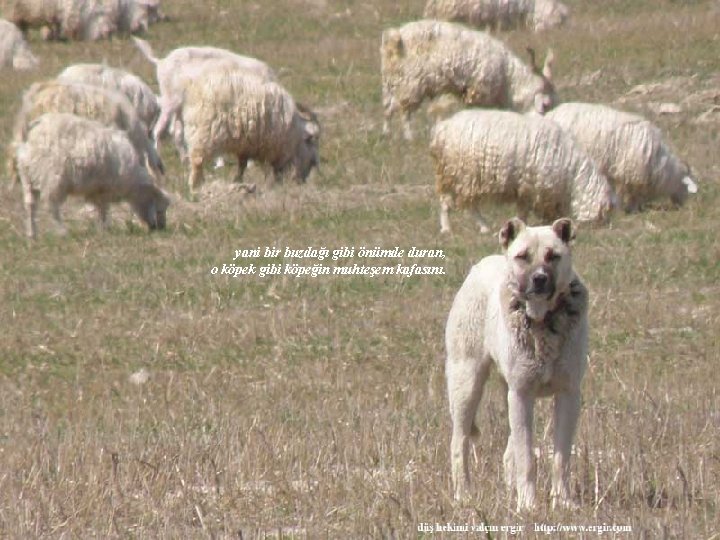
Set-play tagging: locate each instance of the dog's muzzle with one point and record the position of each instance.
(541, 283)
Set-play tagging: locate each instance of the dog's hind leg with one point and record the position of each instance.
(466, 380)
(567, 411)
(520, 412)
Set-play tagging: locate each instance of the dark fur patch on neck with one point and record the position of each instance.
(569, 305)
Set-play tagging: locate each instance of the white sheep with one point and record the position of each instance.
(93, 102)
(630, 151)
(70, 19)
(140, 94)
(500, 14)
(425, 59)
(66, 155)
(502, 156)
(14, 50)
(233, 112)
(132, 16)
(186, 64)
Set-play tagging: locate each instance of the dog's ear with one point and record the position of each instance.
(563, 228)
(509, 231)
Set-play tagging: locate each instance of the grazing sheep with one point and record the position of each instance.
(488, 155)
(253, 119)
(106, 106)
(14, 50)
(630, 151)
(186, 64)
(65, 155)
(425, 59)
(140, 95)
(132, 16)
(69, 19)
(501, 14)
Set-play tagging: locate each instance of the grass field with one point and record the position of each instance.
(286, 407)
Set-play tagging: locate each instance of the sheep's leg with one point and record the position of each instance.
(161, 126)
(103, 215)
(179, 138)
(388, 111)
(242, 165)
(407, 130)
(55, 204)
(482, 224)
(196, 172)
(445, 205)
(30, 198)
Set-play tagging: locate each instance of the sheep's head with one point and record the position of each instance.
(392, 51)
(392, 45)
(550, 14)
(150, 204)
(99, 26)
(152, 8)
(682, 184)
(307, 153)
(139, 19)
(545, 97)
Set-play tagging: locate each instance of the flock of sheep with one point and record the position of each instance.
(571, 159)
(94, 130)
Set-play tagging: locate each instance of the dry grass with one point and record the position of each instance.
(284, 407)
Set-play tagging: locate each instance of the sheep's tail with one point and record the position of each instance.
(12, 165)
(145, 49)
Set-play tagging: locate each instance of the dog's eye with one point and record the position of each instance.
(522, 256)
(552, 256)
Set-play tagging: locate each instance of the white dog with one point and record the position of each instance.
(527, 312)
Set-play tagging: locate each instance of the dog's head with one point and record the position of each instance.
(539, 263)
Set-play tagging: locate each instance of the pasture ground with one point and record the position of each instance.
(315, 407)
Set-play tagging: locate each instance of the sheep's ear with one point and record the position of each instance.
(563, 228)
(661, 165)
(509, 231)
(393, 43)
(690, 184)
(533, 62)
(311, 130)
(547, 68)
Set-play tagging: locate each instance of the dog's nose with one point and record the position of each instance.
(540, 281)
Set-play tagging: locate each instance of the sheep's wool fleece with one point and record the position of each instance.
(105, 106)
(481, 13)
(131, 86)
(14, 50)
(440, 57)
(503, 14)
(625, 147)
(74, 16)
(241, 114)
(72, 155)
(505, 156)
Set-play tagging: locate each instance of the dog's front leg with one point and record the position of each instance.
(567, 411)
(520, 411)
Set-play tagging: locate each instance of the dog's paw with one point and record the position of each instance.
(564, 503)
(526, 500)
